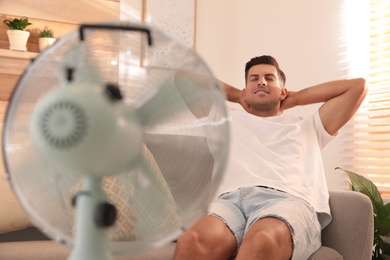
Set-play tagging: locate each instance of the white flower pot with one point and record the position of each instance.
(18, 39)
(45, 42)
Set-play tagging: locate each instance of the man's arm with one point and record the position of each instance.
(342, 99)
(234, 95)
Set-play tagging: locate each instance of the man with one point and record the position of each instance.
(274, 197)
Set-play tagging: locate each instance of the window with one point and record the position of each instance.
(371, 137)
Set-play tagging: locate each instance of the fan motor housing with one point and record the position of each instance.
(85, 130)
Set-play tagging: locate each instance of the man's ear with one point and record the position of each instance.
(284, 93)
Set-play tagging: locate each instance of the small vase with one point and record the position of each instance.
(45, 42)
(18, 40)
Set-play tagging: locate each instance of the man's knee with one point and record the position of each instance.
(264, 245)
(267, 239)
(188, 239)
(210, 239)
(190, 245)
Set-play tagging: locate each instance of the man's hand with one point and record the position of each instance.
(242, 102)
(235, 95)
(288, 102)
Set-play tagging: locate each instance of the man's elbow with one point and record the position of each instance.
(358, 89)
(361, 86)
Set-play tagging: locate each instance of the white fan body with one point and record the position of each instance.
(59, 131)
(125, 122)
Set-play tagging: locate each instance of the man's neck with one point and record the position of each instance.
(265, 113)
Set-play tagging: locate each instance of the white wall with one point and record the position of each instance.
(305, 36)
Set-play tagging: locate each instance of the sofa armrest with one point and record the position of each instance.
(351, 231)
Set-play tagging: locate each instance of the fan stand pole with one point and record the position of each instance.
(91, 241)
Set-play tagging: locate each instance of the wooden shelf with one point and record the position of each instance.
(20, 55)
(12, 66)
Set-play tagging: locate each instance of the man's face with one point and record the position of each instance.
(263, 89)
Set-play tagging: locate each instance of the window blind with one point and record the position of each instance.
(372, 121)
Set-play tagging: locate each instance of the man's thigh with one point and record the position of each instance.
(240, 209)
(299, 217)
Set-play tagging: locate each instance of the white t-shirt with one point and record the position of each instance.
(282, 152)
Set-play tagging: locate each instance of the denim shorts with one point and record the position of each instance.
(241, 208)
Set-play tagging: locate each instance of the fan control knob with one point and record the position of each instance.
(105, 214)
(113, 92)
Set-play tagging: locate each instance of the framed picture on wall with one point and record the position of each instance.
(175, 17)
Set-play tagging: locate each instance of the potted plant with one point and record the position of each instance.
(381, 250)
(46, 38)
(17, 35)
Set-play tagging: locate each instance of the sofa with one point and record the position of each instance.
(349, 236)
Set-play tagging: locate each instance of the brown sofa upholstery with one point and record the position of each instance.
(349, 236)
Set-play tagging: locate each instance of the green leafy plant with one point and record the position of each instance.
(381, 241)
(46, 33)
(16, 23)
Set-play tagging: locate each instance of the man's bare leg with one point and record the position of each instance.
(209, 238)
(268, 238)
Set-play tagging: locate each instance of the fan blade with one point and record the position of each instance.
(181, 94)
(187, 164)
(154, 207)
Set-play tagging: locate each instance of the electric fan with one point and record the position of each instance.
(115, 139)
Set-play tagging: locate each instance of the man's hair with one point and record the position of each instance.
(265, 59)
